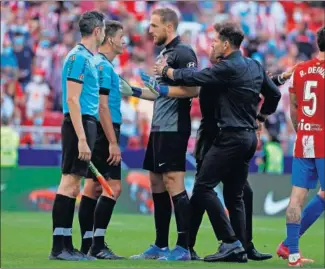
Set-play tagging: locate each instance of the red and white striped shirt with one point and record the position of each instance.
(307, 83)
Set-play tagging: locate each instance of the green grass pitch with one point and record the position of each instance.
(26, 242)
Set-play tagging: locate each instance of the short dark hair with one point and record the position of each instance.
(111, 28)
(321, 39)
(89, 21)
(230, 32)
(167, 15)
(217, 27)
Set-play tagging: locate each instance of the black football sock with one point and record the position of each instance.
(162, 214)
(68, 224)
(86, 221)
(60, 212)
(103, 214)
(182, 215)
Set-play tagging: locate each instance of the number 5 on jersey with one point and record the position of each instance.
(310, 96)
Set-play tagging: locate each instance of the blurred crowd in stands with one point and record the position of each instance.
(36, 36)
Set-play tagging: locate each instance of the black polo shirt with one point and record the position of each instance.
(240, 81)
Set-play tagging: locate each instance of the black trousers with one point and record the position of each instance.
(248, 203)
(227, 161)
(197, 215)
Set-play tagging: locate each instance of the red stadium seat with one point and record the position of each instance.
(53, 118)
(195, 110)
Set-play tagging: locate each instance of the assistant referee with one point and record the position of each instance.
(239, 81)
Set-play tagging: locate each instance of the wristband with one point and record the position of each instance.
(281, 80)
(136, 91)
(164, 71)
(163, 90)
(260, 118)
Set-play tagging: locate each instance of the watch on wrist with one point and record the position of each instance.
(261, 118)
(164, 71)
(281, 79)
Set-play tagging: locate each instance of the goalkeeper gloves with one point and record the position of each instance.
(153, 85)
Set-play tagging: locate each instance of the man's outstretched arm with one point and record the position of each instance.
(193, 77)
(150, 93)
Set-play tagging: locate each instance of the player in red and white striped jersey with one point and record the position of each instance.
(307, 88)
(307, 114)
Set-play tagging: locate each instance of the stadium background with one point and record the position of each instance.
(36, 36)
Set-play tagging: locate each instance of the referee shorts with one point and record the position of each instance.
(166, 152)
(70, 162)
(101, 154)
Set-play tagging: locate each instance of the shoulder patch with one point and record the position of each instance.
(191, 65)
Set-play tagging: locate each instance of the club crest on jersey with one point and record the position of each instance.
(191, 65)
(81, 77)
(100, 67)
(73, 58)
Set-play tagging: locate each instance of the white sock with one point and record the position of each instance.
(294, 257)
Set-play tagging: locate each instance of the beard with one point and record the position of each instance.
(161, 41)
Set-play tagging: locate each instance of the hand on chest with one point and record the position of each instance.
(169, 57)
